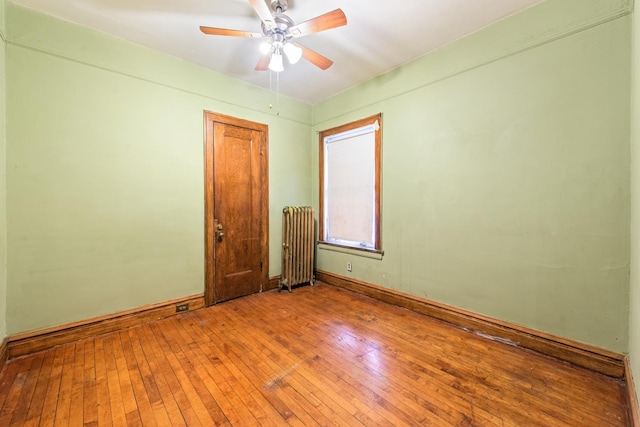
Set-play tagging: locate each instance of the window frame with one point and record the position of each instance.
(377, 185)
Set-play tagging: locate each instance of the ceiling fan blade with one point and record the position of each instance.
(225, 32)
(329, 20)
(263, 12)
(263, 63)
(315, 58)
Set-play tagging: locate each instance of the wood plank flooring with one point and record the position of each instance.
(317, 356)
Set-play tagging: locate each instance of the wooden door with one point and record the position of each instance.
(236, 205)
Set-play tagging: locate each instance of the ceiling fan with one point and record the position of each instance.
(280, 30)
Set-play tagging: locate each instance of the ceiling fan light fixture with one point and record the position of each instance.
(293, 52)
(265, 48)
(276, 62)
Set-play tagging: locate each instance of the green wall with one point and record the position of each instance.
(105, 185)
(3, 186)
(634, 322)
(506, 172)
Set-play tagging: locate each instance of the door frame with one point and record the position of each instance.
(209, 209)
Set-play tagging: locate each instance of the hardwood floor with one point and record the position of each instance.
(317, 356)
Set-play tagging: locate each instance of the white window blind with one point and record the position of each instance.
(350, 186)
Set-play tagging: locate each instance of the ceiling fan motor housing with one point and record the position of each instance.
(280, 33)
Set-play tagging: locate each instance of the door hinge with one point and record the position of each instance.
(261, 148)
(260, 265)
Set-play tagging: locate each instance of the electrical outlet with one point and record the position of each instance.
(349, 266)
(182, 307)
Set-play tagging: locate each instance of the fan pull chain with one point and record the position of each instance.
(277, 94)
(277, 91)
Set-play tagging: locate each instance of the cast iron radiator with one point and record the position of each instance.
(297, 246)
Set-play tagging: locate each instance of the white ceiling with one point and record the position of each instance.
(379, 36)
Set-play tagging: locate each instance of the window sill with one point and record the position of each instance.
(366, 253)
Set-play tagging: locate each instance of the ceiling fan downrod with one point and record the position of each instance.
(279, 6)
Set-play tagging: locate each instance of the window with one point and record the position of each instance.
(350, 184)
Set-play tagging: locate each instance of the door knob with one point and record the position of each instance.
(220, 233)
